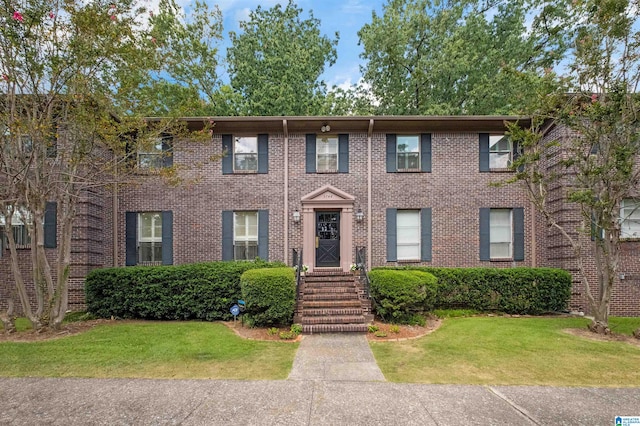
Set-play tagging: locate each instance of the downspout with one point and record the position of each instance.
(285, 214)
(114, 216)
(534, 253)
(369, 202)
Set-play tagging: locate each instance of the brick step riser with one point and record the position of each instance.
(328, 290)
(328, 304)
(330, 312)
(316, 279)
(330, 296)
(334, 328)
(330, 284)
(338, 319)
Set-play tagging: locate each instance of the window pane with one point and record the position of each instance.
(246, 145)
(408, 143)
(630, 219)
(408, 234)
(246, 161)
(146, 225)
(500, 250)
(499, 143)
(500, 235)
(245, 250)
(408, 252)
(327, 162)
(150, 227)
(246, 226)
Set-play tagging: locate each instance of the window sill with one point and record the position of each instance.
(410, 171)
(148, 172)
(504, 170)
(407, 261)
(326, 172)
(502, 259)
(630, 239)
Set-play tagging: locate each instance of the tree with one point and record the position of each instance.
(276, 63)
(69, 71)
(186, 82)
(457, 56)
(591, 160)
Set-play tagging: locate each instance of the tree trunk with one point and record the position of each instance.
(9, 318)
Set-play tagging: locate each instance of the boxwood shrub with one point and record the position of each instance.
(270, 295)
(203, 291)
(520, 290)
(400, 294)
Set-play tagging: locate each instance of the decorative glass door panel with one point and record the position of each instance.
(327, 239)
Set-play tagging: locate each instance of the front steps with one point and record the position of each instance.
(332, 302)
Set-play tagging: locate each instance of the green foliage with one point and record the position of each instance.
(272, 331)
(78, 316)
(455, 313)
(398, 295)
(380, 334)
(288, 335)
(373, 328)
(394, 328)
(514, 290)
(296, 328)
(269, 294)
(203, 291)
(456, 57)
(277, 60)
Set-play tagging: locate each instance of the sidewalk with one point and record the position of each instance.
(302, 402)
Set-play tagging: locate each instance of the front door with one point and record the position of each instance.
(327, 239)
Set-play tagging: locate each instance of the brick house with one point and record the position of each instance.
(409, 190)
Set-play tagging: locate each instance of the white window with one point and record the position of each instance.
(500, 234)
(500, 152)
(245, 235)
(327, 154)
(630, 218)
(408, 152)
(19, 226)
(150, 238)
(245, 153)
(408, 234)
(150, 155)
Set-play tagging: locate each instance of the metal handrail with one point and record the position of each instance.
(361, 264)
(297, 264)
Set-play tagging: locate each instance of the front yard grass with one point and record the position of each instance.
(137, 349)
(512, 351)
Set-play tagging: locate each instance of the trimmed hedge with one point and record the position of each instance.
(399, 295)
(521, 290)
(204, 291)
(270, 295)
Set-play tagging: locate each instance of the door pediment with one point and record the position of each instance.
(328, 196)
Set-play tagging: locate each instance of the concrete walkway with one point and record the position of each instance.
(302, 402)
(335, 357)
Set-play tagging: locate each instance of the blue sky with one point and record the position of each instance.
(344, 16)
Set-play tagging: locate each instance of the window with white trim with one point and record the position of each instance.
(20, 221)
(245, 235)
(327, 154)
(500, 152)
(408, 234)
(150, 238)
(150, 155)
(408, 152)
(245, 153)
(630, 218)
(500, 234)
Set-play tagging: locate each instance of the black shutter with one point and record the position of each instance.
(518, 233)
(263, 153)
(425, 235)
(227, 160)
(227, 235)
(310, 153)
(485, 237)
(425, 152)
(263, 234)
(131, 238)
(167, 238)
(343, 151)
(392, 237)
(50, 225)
(392, 164)
(167, 151)
(484, 152)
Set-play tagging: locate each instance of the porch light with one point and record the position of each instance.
(325, 128)
(296, 216)
(359, 215)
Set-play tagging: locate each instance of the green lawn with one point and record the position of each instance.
(198, 350)
(511, 351)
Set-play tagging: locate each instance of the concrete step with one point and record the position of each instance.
(334, 328)
(314, 312)
(335, 319)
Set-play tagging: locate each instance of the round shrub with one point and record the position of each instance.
(400, 294)
(270, 295)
